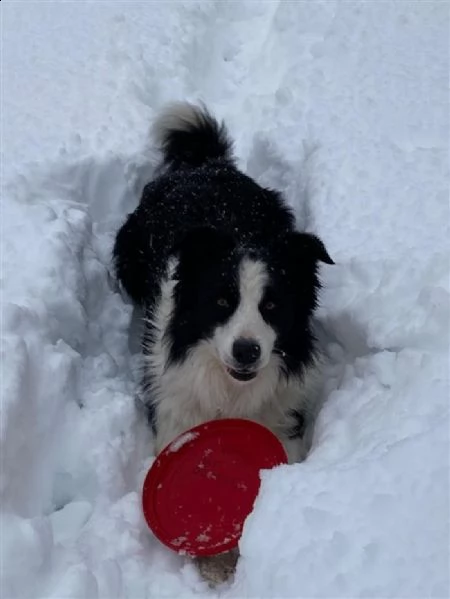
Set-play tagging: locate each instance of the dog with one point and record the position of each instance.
(228, 289)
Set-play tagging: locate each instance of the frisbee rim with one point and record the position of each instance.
(148, 495)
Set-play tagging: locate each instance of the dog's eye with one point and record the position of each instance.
(222, 302)
(270, 306)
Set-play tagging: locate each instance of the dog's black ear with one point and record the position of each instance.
(203, 244)
(308, 245)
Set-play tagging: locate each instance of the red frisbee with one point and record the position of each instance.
(202, 486)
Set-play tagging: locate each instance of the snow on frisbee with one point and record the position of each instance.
(202, 486)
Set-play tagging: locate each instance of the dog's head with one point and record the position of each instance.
(250, 305)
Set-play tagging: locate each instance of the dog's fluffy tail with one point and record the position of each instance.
(189, 134)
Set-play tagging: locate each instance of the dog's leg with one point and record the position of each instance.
(297, 449)
(299, 441)
(216, 569)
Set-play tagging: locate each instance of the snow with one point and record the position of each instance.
(344, 107)
(181, 441)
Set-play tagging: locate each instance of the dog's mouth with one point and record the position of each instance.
(242, 375)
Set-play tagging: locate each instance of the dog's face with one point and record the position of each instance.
(245, 341)
(251, 308)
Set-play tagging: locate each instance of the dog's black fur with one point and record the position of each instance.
(205, 212)
(208, 212)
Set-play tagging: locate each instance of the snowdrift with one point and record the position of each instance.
(344, 108)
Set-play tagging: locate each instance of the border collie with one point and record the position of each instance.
(227, 286)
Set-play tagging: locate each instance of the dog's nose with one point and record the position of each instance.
(246, 351)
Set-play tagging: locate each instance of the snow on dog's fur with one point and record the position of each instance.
(228, 288)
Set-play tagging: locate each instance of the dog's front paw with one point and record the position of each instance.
(216, 569)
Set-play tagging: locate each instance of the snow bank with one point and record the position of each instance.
(344, 107)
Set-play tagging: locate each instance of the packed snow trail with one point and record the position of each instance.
(344, 107)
